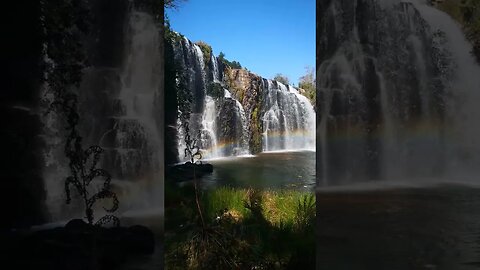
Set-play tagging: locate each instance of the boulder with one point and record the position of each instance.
(78, 245)
(188, 171)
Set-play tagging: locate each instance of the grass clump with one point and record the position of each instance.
(246, 229)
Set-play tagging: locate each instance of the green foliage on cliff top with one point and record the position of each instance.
(170, 35)
(206, 50)
(233, 64)
(172, 3)
(466, 12)
(279, 77)
(307, 83)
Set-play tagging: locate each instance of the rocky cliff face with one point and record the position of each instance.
(247, 87)
(235, 111)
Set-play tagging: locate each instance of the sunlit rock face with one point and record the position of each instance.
(392, 78)
(246, 114)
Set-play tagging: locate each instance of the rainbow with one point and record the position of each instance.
(296, 135)
(414, 130)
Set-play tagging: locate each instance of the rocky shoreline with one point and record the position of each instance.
(77, 245)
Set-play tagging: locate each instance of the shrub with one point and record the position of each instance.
(206, 50)
(216, 90)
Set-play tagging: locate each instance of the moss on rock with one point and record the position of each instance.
(247, 87)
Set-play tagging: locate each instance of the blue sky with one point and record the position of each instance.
(265, 36)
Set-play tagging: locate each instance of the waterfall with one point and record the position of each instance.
(261, 115)
(136, 130)
(215, 71)
(289, 119)
(209, 140)
(225, 124)
(240, 146)
(397, 88)
(118, 111)
(56, 169)
(465, 92)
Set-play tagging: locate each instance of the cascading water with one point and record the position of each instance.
(240, 146)
(209, 138)
(118, 111)
(289, 119)
(189, 58)
(397, 87)
(225, 124)
(137, 143)
(56, 169)
(463, 109)
(215, 71)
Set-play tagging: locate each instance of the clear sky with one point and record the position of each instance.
(265, 36)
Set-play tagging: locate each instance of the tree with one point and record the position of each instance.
(221, 56)
(307, 82)
(281, 78)
(233, 64)
(173, 3)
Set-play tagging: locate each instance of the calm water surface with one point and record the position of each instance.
(269, 170)
(429, 227)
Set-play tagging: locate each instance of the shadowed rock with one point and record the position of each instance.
(189, 171)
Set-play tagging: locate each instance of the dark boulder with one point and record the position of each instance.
(78, 245)
(139, 240)
(77, 225)
(188, 171)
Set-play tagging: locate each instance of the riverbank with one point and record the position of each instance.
(77, 245)
(243, 228)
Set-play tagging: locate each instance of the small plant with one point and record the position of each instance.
(65, 24)
(305, 215)
(83, 165)
(83, 175)
(192, 150)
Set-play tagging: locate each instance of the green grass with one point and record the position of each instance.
(244, 227)
(223, 198)
(278, 207)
